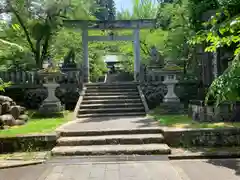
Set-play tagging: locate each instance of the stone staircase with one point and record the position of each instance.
(111, 101)
(102, 100)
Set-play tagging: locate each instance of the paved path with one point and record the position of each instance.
(75, 169)
(109, 123)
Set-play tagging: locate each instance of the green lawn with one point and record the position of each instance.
(183, 121)
(38, 124)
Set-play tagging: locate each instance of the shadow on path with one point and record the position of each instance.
(233, 164)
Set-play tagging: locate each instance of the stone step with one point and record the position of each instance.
(122, 114)
(111, 93)
(111, 101)
(110, 139)
(112, 84)
(148, 130)
(111, 97)
(113, 87)
(103, 105)
(110, 110)
(111, 90)
(111, 149)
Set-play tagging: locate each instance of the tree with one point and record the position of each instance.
(106, 10)
(111, 10)
(172, 30)
(222, 30)
(38, 21)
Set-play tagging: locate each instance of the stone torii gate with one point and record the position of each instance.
(135, 25)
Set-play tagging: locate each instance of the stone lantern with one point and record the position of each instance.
(171, 103)
(51, 104)
(170, 80)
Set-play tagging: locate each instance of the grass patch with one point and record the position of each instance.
(183, 121)
(38, 124)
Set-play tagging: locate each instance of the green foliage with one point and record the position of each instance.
(222, 30)
(172, 32)
(34, 24)
(3, 85)
(226, 87)
(127, 63)
(197, 8)
(233, 6)
(97, 68)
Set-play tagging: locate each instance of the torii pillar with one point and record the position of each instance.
(137, 56)
(85, 56)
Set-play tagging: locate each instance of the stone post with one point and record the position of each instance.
(85, 55)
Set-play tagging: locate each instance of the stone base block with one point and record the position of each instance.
(48, 108)
(172, 108)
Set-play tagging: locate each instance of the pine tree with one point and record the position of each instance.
(111, 10)
(106, 10)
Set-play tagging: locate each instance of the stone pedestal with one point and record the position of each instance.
(51, 105)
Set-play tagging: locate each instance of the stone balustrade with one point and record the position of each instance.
(32, 77)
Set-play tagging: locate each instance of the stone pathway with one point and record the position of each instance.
(100, 169)
(110, 135)
(109, 123)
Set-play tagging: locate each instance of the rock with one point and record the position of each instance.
(6, 127)
(1, 124)
(7, 119)
(13, 103)
(0, 109)
(5, 99)
(6, 107)
(23, 117)
(19, 122)
(15, 111)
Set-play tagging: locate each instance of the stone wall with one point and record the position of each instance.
(203, 137)
(226, 112)
(27, 143)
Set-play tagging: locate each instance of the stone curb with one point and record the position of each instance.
(204, 156)
(143, 99)
(21, 164)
